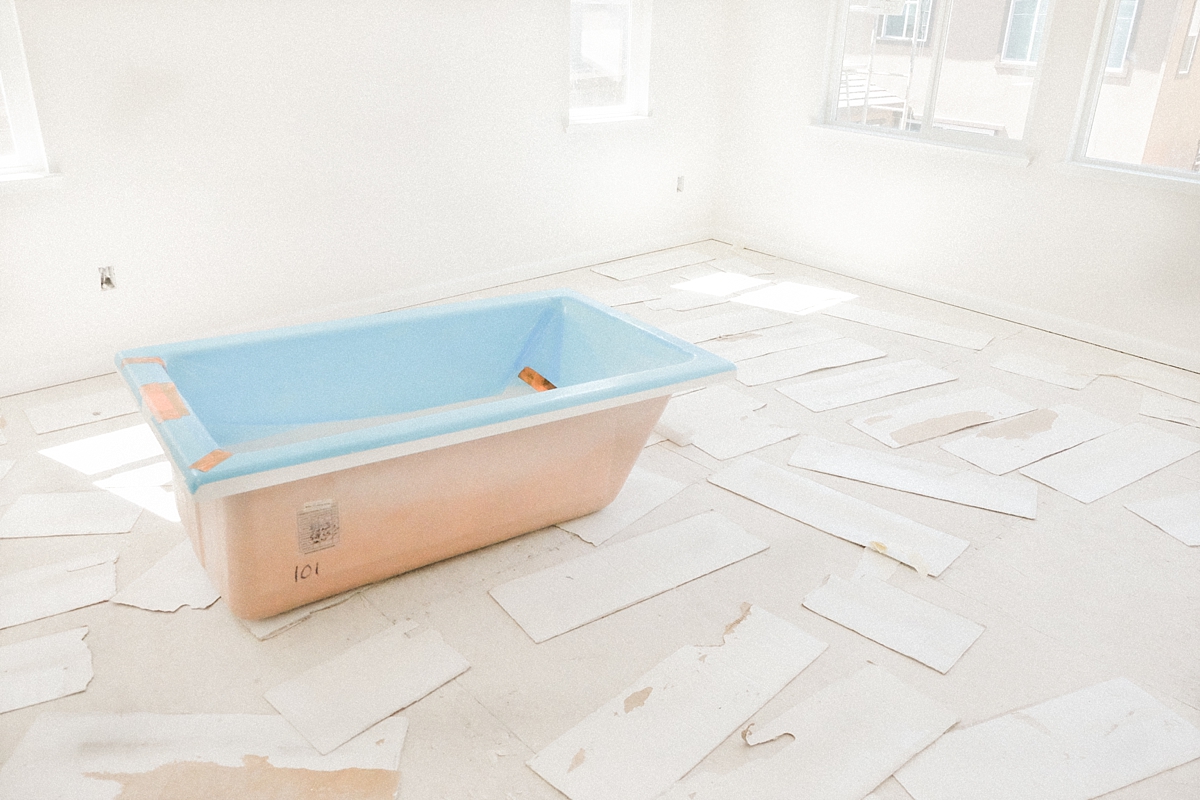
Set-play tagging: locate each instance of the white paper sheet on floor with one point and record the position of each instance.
(650, 735)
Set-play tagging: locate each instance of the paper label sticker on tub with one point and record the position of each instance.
(317, 526)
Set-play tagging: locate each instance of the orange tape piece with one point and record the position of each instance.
(211, 460)
(164, 401)
(531, 376)
(144, 360)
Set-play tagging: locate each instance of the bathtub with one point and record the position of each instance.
(314, 459)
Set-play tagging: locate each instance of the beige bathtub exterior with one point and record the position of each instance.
(271, 549)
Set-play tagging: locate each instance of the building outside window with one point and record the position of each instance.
(610, 64)
(1144, 106)
(964, 74)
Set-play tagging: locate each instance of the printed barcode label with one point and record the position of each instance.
(317, 526)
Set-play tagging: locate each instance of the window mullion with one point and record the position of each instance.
(941, 23)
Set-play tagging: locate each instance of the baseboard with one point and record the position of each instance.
(68, 371)
(1091, 333)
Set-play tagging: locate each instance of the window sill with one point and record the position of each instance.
(1132, 175)
(1011, 157)
(27, 176)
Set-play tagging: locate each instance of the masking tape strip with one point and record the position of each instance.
(144, 360)
(164, 401)
(531, 376)
(211, 460)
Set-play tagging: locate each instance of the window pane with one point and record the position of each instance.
(599, 54)
(1148, 112)
(982, 89)
(883, 80)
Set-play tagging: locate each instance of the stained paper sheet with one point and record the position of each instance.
(652, 263)
(1036, 368)
(107, 450)
(803, 360)
(643, 492)
(172, 756)
(846, 739)
(771, 340)
(938, 416)
(67, 514)
(650, 735)
(264, 629)
(720, 284)
(1172, 409)
(896, 619)
(46, 668)
(1115, 460)
(336, 700)
(1019, 441)
(1005, 495)
(1178, 515)
(1075, 747)
(729, 323)
(561, 598)
(81, 410)
(45, 591)
(861, 385)
(175, 580)
(925, 549)
(794, 298)
(924, 329)
(625, 295)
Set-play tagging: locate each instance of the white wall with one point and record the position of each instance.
(1083, 252)
(243, 163)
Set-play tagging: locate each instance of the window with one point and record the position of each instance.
(1118, 45)
(22, 154)
(610, 47)
(1023, 34)
(1189, 43)
(953, 72)
(1144, 102)
(901, 26)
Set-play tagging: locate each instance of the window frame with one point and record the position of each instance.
(29, 157)
(1031, 58)
(637, 92)
(919, 25)
(1096, 76)
(932, 133)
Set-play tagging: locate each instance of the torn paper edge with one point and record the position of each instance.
(990, 448)
(1011, 496)
(927, 550)
(46, 668)
(338, 699)
(1072, 743)
(1177, 515)
(798, 361)
(174, 581)
(847, 738)
(1036, 368)
(1168, 407)
(912, 326)
(566, 596)
(895, 619)
(263, 629)
(66, 755)
(57, 588)
(848, 389)
(1080, 472)
(656, 730)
